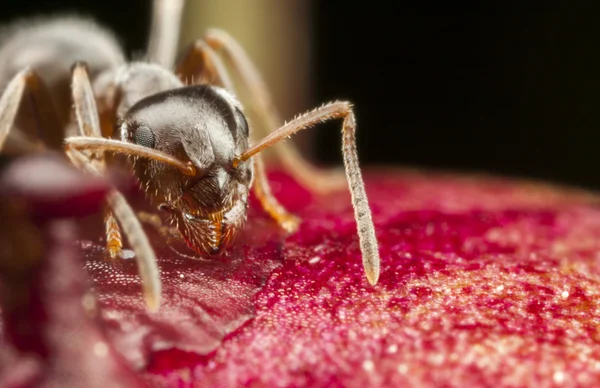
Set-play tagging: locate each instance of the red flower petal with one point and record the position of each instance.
(484, 282)
(51, 337)
(202, 302)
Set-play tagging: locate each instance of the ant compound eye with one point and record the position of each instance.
(144, 137)
(242, 121)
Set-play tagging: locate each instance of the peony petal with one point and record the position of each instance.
(484, 282)
(51, 337)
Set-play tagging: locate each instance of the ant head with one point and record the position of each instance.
(203, 125)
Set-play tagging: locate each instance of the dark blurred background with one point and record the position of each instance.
(508, 89)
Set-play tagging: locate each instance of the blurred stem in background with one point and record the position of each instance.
(277, 36)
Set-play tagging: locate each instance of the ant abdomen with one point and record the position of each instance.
(49, 47)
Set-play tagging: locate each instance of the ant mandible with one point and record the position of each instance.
(189, 144)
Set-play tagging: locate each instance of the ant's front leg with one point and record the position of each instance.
(286, 220)
(144, 254)
(114, 240)
(26, 104)
(167, 232)
(88, 123)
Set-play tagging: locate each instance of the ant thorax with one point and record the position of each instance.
(203, 125)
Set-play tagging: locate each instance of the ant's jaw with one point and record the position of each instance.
(207, 233)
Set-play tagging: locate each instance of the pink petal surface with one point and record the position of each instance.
(485, 282)
(51, 337)
(202, 300)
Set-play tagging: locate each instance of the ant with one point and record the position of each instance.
(188, 143)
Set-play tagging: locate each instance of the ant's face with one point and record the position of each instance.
(203, 126)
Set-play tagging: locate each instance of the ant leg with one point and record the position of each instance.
(261, 104)
(164, 31)
(201, 65)
(145, 256)
(284, 219)
(362, 212)
(169, 233)
(85, 108)
(114, 240)
(26, 104)
(88, 122)
(9, 104)
(150, 219)
(86, 111)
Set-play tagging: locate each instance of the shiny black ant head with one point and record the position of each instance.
(203, 125)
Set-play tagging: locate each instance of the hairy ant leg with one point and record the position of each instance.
(145, 256)
(154, 220)
(261, 104)
(286, 220)
(88, 123)
(26, 103)
(86, 114)
(169, 233)
(114, 240)
(366, 230)
(86, 111)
